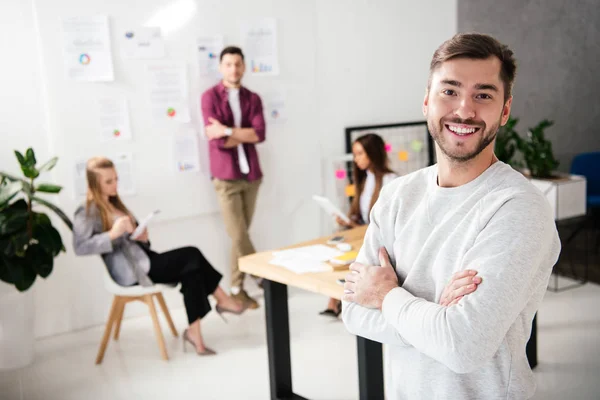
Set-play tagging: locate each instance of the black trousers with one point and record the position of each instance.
(187, 266)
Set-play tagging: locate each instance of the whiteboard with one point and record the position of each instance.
(73, 111)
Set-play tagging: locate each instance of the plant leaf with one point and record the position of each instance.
(30, 157)
(4, 272)
(30, 172)
(12, 221)
(48, 238)
(56, 210)
(41, 260)
(48, 188)
(12, 177)
(9, 191)
(48, 165)
(20, 158)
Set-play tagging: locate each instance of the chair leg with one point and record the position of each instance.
(119, 318)
(159, 336)
(109, 324)
(165, 310)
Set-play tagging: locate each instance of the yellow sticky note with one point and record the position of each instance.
(350, 191)
(403, 155)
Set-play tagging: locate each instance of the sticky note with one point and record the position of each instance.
(416, 146)
(350, 191)
(403, 155)
(340, 174)
(388, 147)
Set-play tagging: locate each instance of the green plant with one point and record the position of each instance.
(507, 143)
(28, 241)
(537, 151)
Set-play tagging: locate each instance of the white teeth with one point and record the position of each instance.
(461, 131)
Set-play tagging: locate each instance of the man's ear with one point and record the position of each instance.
(506, 111)
(426, 102)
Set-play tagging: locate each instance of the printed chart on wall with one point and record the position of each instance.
(168, 91)
(260, 45)
(408, 145)
(86, 48)
(209, 49)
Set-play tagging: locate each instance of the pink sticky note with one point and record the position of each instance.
(388, 147)
(340, 174)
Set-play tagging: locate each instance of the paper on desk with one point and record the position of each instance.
(143, 225)
(306, 259)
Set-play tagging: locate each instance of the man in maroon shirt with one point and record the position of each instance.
(234, 124)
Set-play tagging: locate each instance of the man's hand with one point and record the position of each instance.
(215, 130)
(461, 284)
(367, 285)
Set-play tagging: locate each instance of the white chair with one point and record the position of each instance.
(126, 294)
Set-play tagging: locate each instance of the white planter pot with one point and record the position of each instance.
(16, 327)
(565, 193)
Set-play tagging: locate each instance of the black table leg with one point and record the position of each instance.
(278, 341)
(531, 348)
(370, 369)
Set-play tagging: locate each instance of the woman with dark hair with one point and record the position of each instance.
(370, 173)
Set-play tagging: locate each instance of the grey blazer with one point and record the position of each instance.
(125, 259)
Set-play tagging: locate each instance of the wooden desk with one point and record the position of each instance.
(277, 279)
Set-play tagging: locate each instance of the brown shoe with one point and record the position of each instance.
(246, 300)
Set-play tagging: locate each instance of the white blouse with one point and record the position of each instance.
(367, 194)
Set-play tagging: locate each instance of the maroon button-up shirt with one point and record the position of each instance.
(223, 161)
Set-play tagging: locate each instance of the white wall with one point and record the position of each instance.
(351, 63)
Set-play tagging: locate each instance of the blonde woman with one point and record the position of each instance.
(102, 226)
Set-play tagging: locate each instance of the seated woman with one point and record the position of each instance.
(102, 226)
(370, 172)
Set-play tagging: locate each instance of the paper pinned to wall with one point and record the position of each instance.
(113, 119)
(209, 49)
(124, 166)
(142, 43)
(185, 151)
(275, 108)
(86, 46)
(259, 38)
(168, 90)
(80, 179)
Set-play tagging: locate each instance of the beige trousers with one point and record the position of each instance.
(237, 199)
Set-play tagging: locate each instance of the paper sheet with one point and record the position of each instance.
(209, 49)
(168, 87)
(142, 43)
(87, 53)
(143, 225)
(306, 259)
(260, 46)
(113, 119)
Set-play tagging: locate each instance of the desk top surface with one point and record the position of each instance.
(319, 282)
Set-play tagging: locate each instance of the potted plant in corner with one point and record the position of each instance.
(28, 245)
(565, 193)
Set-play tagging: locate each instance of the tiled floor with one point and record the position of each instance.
(569, 357)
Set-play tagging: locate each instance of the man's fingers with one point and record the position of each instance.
(349, 297)
(384, 258)
(356, 267)
(455, 301)
(463, 274)
(349, 287)
(351, 277)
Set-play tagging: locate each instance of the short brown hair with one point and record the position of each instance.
(231, 50)
(477, 46)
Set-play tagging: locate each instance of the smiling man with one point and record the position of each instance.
(470, 211)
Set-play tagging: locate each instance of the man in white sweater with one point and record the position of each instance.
(470, 211)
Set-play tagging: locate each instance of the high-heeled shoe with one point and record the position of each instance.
(222, 310)
(186, 340)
